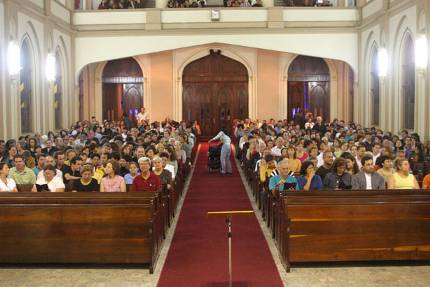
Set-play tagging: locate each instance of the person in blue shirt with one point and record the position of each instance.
(308, 180)
(283, 181)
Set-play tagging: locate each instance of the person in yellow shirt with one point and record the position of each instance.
(402, 178)
(267, 168)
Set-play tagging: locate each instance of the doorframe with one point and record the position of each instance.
(333, 93)
(203, 52)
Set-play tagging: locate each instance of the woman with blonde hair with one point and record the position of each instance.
(402, 178)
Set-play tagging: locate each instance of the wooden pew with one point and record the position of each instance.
(80, 228)
(322, 226)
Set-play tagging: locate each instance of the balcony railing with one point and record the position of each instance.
(138, 4)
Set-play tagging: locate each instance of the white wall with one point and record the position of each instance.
(329, 45)
(44, 35)
(388, 32)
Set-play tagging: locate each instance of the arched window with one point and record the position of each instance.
(408, 81)
(374, 85)
(26, 87)
(58, 91)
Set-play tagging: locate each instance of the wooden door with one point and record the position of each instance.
(132, 100)
(215, 92)
(296, 98)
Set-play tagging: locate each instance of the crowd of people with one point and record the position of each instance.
(309, 154)
(121, 4)
(93, 156)
(203, 3)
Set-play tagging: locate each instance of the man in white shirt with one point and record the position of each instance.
(142, 116)
(279, 145)
(376, 151)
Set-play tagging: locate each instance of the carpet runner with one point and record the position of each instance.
(198, 255)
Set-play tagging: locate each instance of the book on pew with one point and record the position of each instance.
(42, 188)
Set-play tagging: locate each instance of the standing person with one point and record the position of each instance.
(225, 151)
(142, 117)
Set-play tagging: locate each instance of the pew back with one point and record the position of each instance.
(354, 226)
(79, 228)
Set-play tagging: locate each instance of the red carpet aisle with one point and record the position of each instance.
(199, 252)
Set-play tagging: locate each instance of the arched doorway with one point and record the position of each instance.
(122, 89)
(308, 87)
(58, 91)
(408, 81)
(26, 87)
(215, 92)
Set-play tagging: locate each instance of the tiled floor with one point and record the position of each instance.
(350, 275)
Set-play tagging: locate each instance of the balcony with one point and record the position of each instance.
(220, 17)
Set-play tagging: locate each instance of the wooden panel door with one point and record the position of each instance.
(296, 98)
(215, 91)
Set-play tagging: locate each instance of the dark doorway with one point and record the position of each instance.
(215, 92)
(308, 87)
(122, 89)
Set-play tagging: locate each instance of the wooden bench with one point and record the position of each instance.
(80, 228)
(322, 226)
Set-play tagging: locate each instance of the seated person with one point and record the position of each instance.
(72, 172)
(6, 183)
(133, 172)
(402, 178)
(49, 182)
(338, 178)
(387, 169)
(308, 180)
(164, 175)
(147, 180)
(367, 178)
(267, 167)
(20, 173)
(86, 183)
(112, 182)
(283, 181)
(426, 179)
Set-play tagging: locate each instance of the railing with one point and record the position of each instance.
(131, 4)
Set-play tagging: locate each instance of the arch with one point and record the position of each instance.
(215, 92)
(333, 87)
(205, 51)
(407, 80)
(118, 78)
(27, 85)
(373, 87)
(94, 98)
(308, 83)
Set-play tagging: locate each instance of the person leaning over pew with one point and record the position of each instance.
(367, 178)
(6, 183)
(283, 181)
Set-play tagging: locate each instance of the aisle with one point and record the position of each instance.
(199, 251)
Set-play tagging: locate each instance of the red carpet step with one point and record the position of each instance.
(198, 255)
